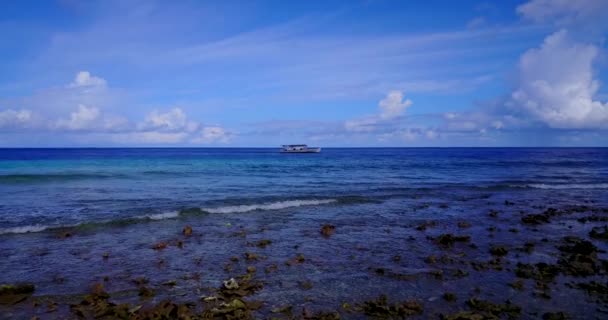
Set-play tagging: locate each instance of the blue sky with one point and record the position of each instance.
(327, 73)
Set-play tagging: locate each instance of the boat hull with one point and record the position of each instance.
(308, 150)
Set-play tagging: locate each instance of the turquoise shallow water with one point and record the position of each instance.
(121, 202)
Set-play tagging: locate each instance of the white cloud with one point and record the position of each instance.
(151, 137)
(213, 134)
(87, 108)
(361, 125)
(393, 105)
(85, 79)
(431, 134)
(556, 84)
(173, 120)
(564, 12)
(91, 119)
(410, 134)
(84, 118)
(14, 118)
(498, 124)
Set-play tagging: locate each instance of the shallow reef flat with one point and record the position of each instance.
(486, 255)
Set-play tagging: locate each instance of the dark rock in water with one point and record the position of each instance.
(271, 268)
(577, 245)
(494, 310)
(19, 288)
(592, 218)
(160, 246)
(146, 292)
(263, 243)
(596, 289)
(245, 286)
(599, 233)
(540, 271)
(528, 247)
(463, 224)
(249, 256)
(327, 230)
(380, 308)
(321, 315)
(447, 240)
(493, 213)
(535, 219)
(187, 231)
(498, 251)
(517, 285)
(140, 281)
(297, 260)
(542, 290)
(579, 257)
(494, 264)
(555, 316)
(428, 224)
(448, 296)
(306, 285)
(14, 293)
(466, 315)
(509, 203)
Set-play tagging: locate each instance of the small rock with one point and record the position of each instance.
(263, 243)
(463, 224)
(327, 230)
(599, 233)
(498, 251)
(231, 284)
(160, 246)
(448, 296)
(555, 316)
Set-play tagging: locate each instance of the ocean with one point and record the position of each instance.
(70, 218)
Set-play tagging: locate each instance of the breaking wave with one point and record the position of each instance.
(161, 216)
(268, 206)
(176, 214)
(25, 229)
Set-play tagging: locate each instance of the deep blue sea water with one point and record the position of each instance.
(43, 188)
(116, 204)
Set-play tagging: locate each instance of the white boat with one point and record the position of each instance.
(299, 148)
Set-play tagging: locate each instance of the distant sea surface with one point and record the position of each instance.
(50, 188)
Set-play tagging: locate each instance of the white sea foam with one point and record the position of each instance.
(175, 214)
(569, 186)
(268, 206)
(162, 216)
(24, 229)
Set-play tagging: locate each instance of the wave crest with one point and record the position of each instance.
(25, 229)
(268, 206)
(171, 215)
